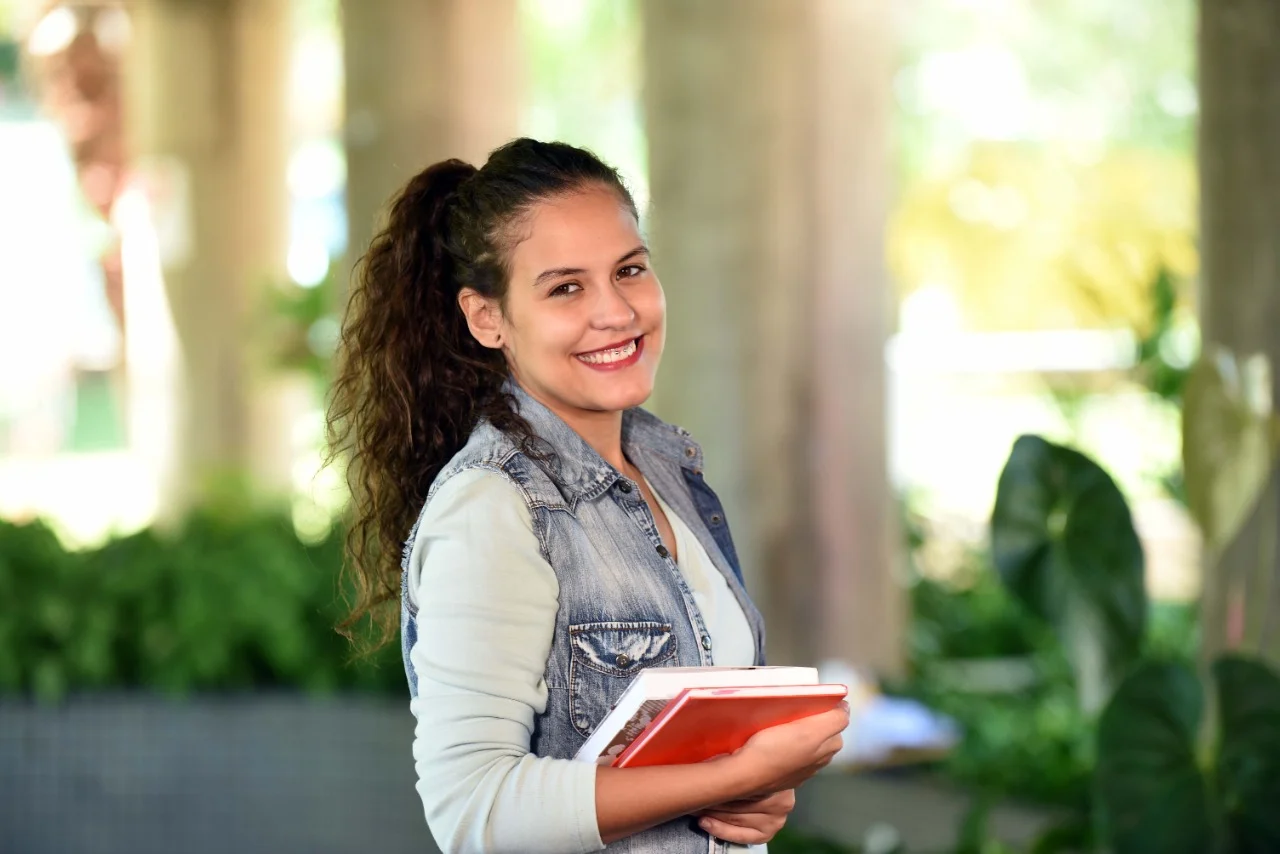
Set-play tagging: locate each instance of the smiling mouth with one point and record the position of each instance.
(612, 355)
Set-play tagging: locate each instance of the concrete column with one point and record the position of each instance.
(206, 113)
(767, 127)
(426, 80)
(1239, 43)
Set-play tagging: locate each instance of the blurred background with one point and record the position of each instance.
(971, 303)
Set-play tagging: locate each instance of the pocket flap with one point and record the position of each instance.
(621, 649)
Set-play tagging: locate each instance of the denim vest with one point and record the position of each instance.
(624, 604)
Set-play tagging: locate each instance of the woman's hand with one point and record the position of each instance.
(749, 822)
(746, 788)
(782, 757)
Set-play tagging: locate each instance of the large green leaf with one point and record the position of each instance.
(1228, 441)
(1063, 541)
(1249, 753)
(1151, 795)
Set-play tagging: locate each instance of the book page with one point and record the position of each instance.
(632, 728)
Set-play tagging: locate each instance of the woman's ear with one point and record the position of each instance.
(484, 317)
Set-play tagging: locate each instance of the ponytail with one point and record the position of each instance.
(412, 382)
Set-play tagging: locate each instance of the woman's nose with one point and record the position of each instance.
(611, 309)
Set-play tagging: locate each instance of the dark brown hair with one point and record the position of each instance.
(412, 381)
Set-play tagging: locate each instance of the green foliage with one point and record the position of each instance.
(1163, 357)
(976, 618)
(1248, 761)
(299, 326)
(789, 841)
(1155, 795)
(233, 601)
(1033, 745)
(1030, 741)
(10, 59)
(584, 65)
(1150, 790)
(1064, 543)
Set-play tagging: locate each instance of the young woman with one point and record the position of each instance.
(503, 332)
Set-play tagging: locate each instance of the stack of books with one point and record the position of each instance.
(680, 715)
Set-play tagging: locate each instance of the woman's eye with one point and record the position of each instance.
(565, 289)
(630, 270)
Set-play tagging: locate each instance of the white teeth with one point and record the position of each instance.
(604, 357)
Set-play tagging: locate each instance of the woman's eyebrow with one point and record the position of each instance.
(639, 250)
(557, 272)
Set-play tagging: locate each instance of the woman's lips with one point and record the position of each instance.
(615, 357)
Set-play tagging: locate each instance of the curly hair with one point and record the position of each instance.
(412, 382)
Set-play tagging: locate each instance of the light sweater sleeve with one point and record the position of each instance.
(487, 603)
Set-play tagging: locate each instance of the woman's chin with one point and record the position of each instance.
(619, 393)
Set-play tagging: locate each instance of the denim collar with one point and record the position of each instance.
(576, 467)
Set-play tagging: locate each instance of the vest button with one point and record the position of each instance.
(623, 659)
(624, 486)
(716, 518)
(706, 642)
(662, 551)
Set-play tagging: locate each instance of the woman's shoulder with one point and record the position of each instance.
(490, 450)
(479, 520)
(473, 494)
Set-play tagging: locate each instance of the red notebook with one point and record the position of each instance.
(701, 723)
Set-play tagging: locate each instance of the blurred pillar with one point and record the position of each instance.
(767, 125)
(1239, 43)
(206, 113)
(426, 80)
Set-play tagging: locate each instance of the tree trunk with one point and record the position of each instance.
(767, 126)
(1239, 44)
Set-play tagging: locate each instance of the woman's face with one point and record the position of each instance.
(585, 316)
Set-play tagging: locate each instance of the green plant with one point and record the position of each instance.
(1166, 347)
(1069, 835)
(971, 617)
(789, 841)
(1033, 745)
(1157, 796)
(299, 326)
(1029, 741)
(1063, 542)
(231, 601)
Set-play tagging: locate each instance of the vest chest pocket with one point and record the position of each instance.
(605, 658)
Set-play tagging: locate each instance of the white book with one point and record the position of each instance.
(654, 687)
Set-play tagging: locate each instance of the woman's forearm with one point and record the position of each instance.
(629, 800)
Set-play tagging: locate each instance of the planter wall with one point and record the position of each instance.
(277, 773)
(923, 812)
(285, 774)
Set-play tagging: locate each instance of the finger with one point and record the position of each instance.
(781, 801)
(828, 722)
(729, 833)
(841, 716)
(753, 820)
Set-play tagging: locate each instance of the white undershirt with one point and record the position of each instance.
(487, 602)
(732, 643)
